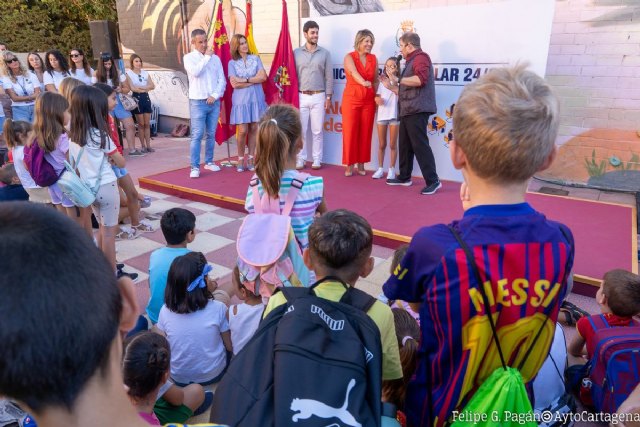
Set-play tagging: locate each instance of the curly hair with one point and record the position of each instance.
(4, 67)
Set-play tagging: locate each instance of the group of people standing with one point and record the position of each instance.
(403, 101)
(207, 84)
(22, 84)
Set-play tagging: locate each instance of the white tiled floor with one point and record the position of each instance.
(206, 242)
(209, 220)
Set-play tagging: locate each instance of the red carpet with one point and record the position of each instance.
(605, 233)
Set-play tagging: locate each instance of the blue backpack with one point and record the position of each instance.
(614, 364)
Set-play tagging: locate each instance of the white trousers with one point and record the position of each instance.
(312, 110)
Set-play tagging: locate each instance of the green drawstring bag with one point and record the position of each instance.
(502, 399)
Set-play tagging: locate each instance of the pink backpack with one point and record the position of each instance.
(268, 253)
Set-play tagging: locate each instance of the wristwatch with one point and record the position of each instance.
(247, 79)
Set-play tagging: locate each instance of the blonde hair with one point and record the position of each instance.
(67, 85)
(278, 132)
(361, 35)
(506, 124)
(6, 71)
(235, 46)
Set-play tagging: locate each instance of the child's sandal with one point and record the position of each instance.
(572, 313)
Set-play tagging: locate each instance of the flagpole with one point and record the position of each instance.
(228, 163)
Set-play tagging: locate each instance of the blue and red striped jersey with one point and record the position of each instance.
(524, 262)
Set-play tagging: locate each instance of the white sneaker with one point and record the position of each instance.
(300, 164)
(195, 173)
(378, 174)
(212, 167)
(391, 174)
(316, 165)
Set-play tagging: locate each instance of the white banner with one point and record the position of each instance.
(463, 42)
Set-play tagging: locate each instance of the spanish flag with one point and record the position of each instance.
(248, 32)
(222, 50)
(282, 84)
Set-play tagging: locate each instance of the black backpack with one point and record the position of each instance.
(312, 362)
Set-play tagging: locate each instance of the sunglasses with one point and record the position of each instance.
(75, 55)
(9, 61)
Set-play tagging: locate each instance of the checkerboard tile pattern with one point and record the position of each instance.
(216, 232)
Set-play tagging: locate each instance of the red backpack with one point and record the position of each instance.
(40, 169)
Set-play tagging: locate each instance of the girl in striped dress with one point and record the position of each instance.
(277, 143)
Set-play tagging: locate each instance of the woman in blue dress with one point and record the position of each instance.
(246, 74)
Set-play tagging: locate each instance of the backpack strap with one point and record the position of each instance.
(485, 299)
(358, 299)
(598, 322)
(296, 185)
(255, 197)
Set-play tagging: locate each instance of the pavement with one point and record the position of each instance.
(217, 228)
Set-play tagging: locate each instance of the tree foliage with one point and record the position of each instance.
(40, 25)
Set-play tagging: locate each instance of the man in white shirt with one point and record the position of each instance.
(206, 87)
(315, 83)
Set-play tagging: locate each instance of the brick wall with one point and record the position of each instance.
(594, 64)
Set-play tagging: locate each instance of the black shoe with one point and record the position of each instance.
(119, 266)
(396, 181)
(132, 276)
(208, 399)
(431, 189)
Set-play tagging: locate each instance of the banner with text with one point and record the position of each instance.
(464, 42)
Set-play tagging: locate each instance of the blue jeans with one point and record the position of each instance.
(22, 112)
(204, 117)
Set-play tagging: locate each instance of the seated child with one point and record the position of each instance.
(408, 336)
(145, 368)
(340, 244)
(243, 318)
(55, 279)
(194, 323)
(399, 253)
(12, 189)
(619, 300)
(179, 229)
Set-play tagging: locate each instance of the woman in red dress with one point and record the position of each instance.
(358, 103)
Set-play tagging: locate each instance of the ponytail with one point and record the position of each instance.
(145, 361)
(408, 335)
(278, 132)
(12, 130)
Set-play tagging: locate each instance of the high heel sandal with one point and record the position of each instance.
(240, 167)
(349, 171)
(361, 172)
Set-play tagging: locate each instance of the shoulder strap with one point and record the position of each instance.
(255, 196)
(598, 322)
(296, 185)
(292, 293)
(485, 299)
(358, 299)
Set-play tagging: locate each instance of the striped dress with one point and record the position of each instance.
(304, 208)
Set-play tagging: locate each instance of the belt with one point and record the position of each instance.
(311, 92)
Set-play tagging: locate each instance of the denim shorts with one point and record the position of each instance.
(390, 122)
(120, 172)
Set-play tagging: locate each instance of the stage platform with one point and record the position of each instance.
(605, 233)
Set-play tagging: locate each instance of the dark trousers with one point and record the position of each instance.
(414, 141)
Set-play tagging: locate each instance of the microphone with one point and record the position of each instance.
(399, 58)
